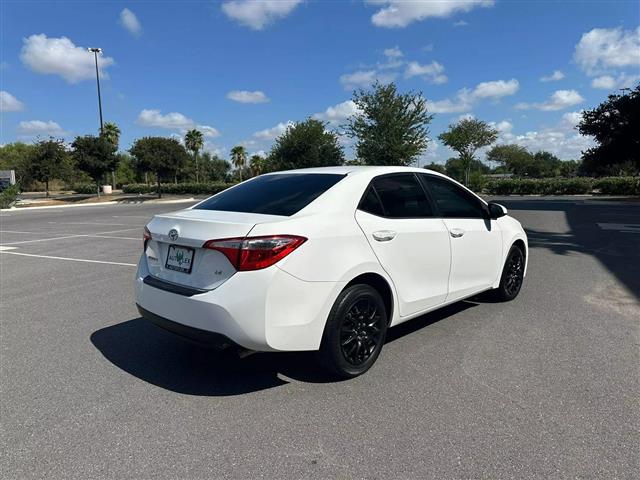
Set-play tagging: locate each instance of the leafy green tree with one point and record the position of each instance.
(239, 158)
(390, 128)
(160, 155)
(125, 172)
(455, 168)
(306, 144)
(16, 156)
(569, 168)
(515, 158)
(615, 125)
(111, 133)
(466, 137)
(194, 141)
(436, 167)
(215, 168)
(46, 161)
(95, 156)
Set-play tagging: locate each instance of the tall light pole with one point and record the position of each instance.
(95, 52)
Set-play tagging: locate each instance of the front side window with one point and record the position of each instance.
(452, 200)
(277, 194)
(402, 196)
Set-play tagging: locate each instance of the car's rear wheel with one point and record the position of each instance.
(512, 276)
(355, 332)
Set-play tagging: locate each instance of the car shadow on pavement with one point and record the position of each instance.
(596, 228)
(149, 353)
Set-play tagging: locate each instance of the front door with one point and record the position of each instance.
(411, 244)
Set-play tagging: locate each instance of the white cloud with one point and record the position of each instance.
(607, 82)
(496, 89)
(173, 121)
(9, 103)
(554, 77)
(465, 98)
(400, 13)
(364, 78)
(428, 48)
(605, 49)
(208, 131)
(59, 56)
(466, 116)
(258, 14)
(571, 119)
(559, 100)
(130, 22)
(460, 23)
(273, 132)
(34, 128)
(432, 72)
(245, 96)
(393, 52)
(339, 113)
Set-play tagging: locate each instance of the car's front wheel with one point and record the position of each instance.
(512, 276)
(355, 332)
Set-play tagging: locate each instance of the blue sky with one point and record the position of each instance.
(241, 70)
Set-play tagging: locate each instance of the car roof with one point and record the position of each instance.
(353, 170)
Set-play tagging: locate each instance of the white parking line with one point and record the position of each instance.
(69, 259)
(43, 239)
(6, 248)
(16, 231)
(116, 238)
(94, 223)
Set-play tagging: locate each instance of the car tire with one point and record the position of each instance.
(355, 332)
(512, 276)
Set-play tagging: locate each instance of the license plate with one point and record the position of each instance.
(180, 259)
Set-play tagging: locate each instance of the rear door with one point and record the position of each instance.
(476, 240)
(411, 244)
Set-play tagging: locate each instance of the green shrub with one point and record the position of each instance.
(618, 185)
(87, 188)
(8, 196)
(542, 186)
(178, 189)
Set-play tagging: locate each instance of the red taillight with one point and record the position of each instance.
(254, 253)
(146, 236)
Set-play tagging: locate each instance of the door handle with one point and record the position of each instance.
(456, 232)
(384, 235)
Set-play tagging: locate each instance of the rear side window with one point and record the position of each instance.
(278, 194)
(370, 203)
(402, 196)
(452, 200)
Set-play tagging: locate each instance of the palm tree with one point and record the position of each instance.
(257, 164)
(111, 133)
(194, 141)
(239, 158)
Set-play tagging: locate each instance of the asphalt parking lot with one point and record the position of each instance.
(546, 386)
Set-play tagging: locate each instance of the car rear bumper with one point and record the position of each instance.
(263, 310)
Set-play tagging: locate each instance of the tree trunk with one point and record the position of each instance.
(197, 176)
(175, 177)
(159, 191)
(113, 179)
(46, 188)
(146, 178)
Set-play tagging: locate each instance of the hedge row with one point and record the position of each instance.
(89, 188)
(564, 186)
(178, 189)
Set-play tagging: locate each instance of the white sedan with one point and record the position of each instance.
(325, 259)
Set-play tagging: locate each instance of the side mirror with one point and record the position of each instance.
(496, 210)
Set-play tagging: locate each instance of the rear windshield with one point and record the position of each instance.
(276, 194)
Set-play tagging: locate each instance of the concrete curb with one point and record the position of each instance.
(96, 204)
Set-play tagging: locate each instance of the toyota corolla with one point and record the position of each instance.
(325, 259)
